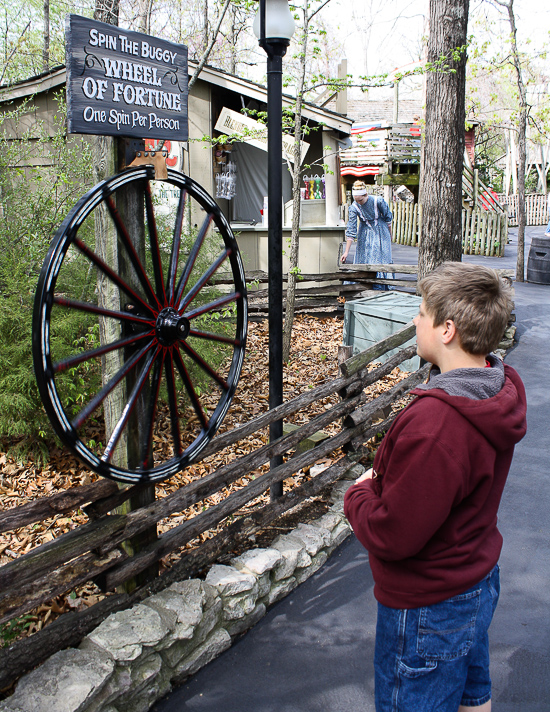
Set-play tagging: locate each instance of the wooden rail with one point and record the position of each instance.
(478, 193)
(94, 552)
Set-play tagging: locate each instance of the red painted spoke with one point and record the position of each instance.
(129, 407)
(61, 366)
(154, 241)
(203, 280)
(189, 388)
(214, 337)
(146, 459)
(113, 276)
(202, 363)
(213, 305)
(123, 371)
(95, 309)
(173, 403)
(131, 250)
(176, 243)
(192, 258)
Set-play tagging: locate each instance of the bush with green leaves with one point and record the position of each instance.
(42, 174)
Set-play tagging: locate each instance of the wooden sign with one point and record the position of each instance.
(254, 132)
(124, 83)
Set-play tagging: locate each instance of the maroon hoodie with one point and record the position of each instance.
(429, 518)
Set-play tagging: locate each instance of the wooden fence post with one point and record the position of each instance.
(131, 206)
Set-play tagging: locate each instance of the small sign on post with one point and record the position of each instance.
(124, 83)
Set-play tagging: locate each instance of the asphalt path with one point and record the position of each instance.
(313, 651)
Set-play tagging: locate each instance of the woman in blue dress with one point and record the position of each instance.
(370, 224)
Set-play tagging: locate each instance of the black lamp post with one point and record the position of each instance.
(274, 26)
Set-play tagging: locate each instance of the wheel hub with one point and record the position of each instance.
(171, 327)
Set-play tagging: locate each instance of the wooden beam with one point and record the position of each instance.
(398, 179)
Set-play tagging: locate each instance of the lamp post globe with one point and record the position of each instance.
(279, 22)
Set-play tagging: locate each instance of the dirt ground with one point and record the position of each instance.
(313, 361)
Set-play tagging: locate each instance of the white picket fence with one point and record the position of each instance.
(483, 232)
(536, 208)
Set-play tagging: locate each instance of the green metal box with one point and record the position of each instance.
(370, 319)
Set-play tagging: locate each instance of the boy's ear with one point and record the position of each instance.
(448, 332)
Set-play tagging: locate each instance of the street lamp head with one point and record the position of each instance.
(279, 22)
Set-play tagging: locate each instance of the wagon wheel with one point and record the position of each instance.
(140, 345)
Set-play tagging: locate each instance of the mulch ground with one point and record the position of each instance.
(313, 361)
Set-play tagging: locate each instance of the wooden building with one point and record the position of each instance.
(215, 103)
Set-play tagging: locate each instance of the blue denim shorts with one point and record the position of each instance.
(435, 658)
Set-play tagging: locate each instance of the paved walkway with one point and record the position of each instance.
(313, 651)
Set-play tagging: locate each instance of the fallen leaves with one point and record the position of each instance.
(313, 360)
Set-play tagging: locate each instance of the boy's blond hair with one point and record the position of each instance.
(475, 298)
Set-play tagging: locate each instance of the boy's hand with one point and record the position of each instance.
(365, 476)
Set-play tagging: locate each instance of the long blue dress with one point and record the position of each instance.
(372, 235)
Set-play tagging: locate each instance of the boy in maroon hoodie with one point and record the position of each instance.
(427, 511)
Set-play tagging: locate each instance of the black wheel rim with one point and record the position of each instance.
(176, 334)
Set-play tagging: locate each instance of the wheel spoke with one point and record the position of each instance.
(146, 459)
(123, 371)
(131, 250)
(95, 309)
(176, 243)
(205, 367)
(172, 400)
(154, 241)
(214, 337)
(213, 305)
(113, 276)
(129, 407)
(190, 390)
(61, 366)
(137, 305)
(185, 301)
(192, 258)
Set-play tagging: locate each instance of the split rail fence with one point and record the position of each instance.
(94, 551)
(326, 292)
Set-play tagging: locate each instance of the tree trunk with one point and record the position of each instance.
(145, 8)
(233, 41)
(46, 48)
(104, 165)
(522, 131)
(208, 45)
(522, 218)
(106, 11)
(443, 144)
(296, 204)
(205, 28)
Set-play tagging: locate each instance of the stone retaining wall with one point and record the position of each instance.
(135, 656)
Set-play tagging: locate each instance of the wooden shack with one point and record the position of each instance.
(216, 98)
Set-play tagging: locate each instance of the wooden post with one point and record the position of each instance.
(131, 206)
(110, 156)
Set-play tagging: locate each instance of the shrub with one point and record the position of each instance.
(42, 174)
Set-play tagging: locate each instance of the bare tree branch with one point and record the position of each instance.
(207, 51)
(14, 50)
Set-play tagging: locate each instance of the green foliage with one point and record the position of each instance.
(12, 630)
(22, 37)
(492, 95)
(41, 177)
